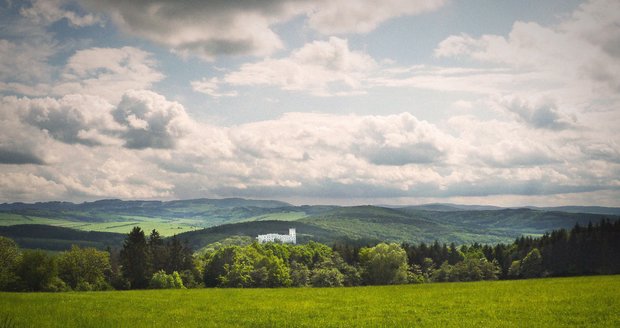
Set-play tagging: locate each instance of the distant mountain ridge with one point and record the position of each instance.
(208, 220)
(124, 204)
(448, 207)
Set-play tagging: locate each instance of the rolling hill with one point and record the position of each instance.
(170, 218)
(52, 238)
(204, 221)
(406, 225)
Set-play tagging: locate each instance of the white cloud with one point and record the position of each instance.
(108, 72)
(25, 61)
(25, 186)
(151, 121)
(46, 12)
(19, 145)
(583, 46)
(543, 114)
(363, 16)
(532, 84)
(142, 119)
(211, 87)
(322, 68)
(73, 119)
(209, 29)
(307, 155)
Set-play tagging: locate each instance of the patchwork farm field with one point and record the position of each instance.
(123, 224)
(580, 301)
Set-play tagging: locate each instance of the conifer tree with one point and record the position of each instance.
(135, 259)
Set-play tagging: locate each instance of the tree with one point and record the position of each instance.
(37, 271)
(277, 272)
(443, 273)
(10, 257)
(514, 270)
(384, 264)
(415, 275)
(239, 271)
(135, 259)
(455, 256)
(351, 274)
(215, 264)
(300, 275)
(531, 265)
(162, 280)
(179, 255)
(254, 266)
(84, 268)
(158, 251)
(326, 277)
(427, 267)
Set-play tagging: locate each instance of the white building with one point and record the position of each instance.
(291, 238)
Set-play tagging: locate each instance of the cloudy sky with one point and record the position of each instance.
(333, 102)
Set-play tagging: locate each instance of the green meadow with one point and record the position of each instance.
(120, 224)
(550, 302)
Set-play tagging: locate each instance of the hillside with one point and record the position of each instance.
(203, 221)
(305, 232)
(406, 225)
(58, 238)
(169, 218)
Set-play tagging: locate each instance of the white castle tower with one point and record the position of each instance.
(291, 238)
(293, 235)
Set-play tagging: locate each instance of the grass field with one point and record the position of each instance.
(554, 302)
(122, 225)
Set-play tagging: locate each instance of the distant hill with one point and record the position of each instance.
(446, 207)
(170, 217)
(58, 239)
(452, 207)
(582, 209)
(305, 232)
(406, 225)
(204, 221)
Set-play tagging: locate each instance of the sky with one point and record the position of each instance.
(495, 102)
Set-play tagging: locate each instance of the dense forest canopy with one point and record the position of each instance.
(150, 261)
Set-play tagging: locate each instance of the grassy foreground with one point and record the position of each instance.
(581, 301)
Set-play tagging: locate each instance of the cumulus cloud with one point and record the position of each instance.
(25, 186)
(400, 140)
(132, 143)
(321, 68)
(25, 50)
(18, 144)
(336, 17)
(212, 28)
(302, 152)
(108, 72)
(46, 12)
(10, 156)
(142, 119)
(166, 154)
(104, 72)
(73, 119)
(542, 115)
(24, 61)
(583, 45)
(211, 87)
(151, 121)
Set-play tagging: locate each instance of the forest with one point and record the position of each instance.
(150, 261)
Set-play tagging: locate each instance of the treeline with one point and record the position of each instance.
(141, 263)
(152, 262)
(594, 249)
